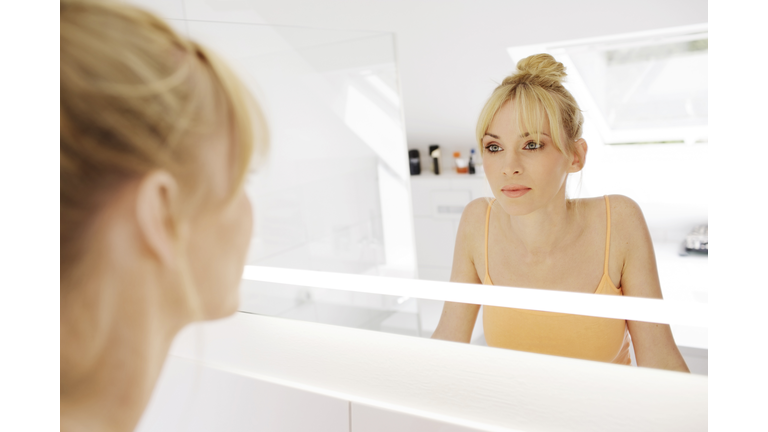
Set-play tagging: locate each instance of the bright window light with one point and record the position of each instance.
(640, 87)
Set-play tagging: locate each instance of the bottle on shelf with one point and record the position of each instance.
(434, 153)
(471, 164)
(415, 161)
(461, 164)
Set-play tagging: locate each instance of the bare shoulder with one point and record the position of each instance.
(628, 227)
(620, 205)
(623, 203)
(626, 214)
(472, 224)
(475, 212)
(629, 231)
(477, 208)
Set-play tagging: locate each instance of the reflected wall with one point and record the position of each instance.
(334, 192)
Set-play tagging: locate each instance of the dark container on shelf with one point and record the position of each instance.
(434, 153)
(414, 161)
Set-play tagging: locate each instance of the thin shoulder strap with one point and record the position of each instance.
(487, 222)
(608, 233)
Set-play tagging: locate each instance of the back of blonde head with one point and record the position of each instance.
(536, 88)
(134, 94)
(136, 97)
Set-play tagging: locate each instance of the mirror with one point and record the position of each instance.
(336, 193)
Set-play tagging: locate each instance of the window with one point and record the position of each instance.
(648, 87)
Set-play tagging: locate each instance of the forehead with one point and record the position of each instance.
(512, 120)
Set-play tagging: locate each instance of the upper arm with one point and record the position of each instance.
(654, 344)
(471, 229)
(458, 319)
(639, 275)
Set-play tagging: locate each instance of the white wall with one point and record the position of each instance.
(450, 56)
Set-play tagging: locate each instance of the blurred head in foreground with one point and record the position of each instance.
(156, 139)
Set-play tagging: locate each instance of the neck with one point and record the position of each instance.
(108, 371)
(544, 230)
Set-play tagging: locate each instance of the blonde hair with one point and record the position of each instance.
(536, 88)
(131, 101)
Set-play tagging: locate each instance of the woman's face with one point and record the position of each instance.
(219, 234)
(218, 245)
(524, 174)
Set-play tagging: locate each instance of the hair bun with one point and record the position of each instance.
(539, 69)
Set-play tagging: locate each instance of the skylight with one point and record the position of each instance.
(640, 87)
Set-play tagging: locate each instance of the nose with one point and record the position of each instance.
(512, 165)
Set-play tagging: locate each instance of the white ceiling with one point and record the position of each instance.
(451, 54)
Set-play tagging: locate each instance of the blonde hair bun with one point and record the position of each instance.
(538, 69)
(536, 85)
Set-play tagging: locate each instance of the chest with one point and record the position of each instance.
(575, 266)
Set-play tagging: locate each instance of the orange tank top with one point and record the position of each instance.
(566, 335)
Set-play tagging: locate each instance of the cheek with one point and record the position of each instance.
(234, 243)
(219, 249)
(491, 166)
(551, 164)
(245, 229)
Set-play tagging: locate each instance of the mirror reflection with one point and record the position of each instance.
(343, 191)
(334, 193)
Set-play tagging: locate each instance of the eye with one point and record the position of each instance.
(493, 148)
(531, 145)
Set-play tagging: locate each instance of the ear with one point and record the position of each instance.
(579, 156)
(155, 199)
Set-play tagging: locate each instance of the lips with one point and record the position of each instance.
(515, 191)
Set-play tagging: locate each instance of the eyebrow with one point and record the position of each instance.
(521, 136)
(527, 134)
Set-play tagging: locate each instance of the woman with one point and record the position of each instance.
(532, 235)
(156, 139)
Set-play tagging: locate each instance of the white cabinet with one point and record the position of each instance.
(434, 241)
(365, 418)
(438, 201)
(192, 397)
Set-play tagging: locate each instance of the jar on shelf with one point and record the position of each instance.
(461, 164)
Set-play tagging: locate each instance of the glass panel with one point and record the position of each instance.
(409, 316)
(334, 192)
(391, 314)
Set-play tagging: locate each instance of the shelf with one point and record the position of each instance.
(448, 175)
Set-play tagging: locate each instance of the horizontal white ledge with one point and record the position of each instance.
(605, 306)
(482, 388)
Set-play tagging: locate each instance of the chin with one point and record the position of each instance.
(231, 306)
(223, 306)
